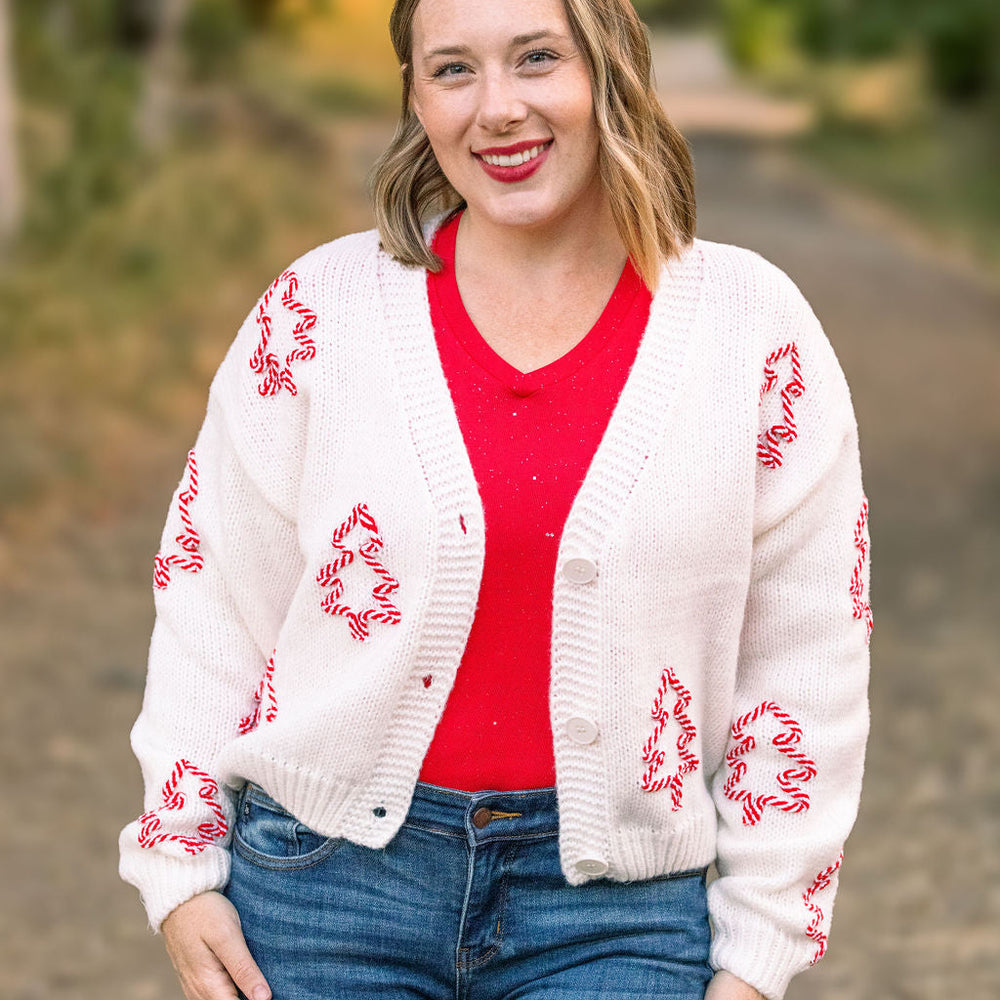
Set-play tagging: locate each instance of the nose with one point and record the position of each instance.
(501, 106)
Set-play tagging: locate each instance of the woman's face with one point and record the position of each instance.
(504, 95)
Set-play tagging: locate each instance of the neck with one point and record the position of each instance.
(579, 243)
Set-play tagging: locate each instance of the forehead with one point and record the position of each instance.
(443, 23)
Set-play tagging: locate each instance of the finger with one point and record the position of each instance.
(202, 975)
(233, 953)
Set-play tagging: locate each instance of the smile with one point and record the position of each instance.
(514, 159)
(515, 163)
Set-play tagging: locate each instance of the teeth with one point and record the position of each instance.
(515, 160)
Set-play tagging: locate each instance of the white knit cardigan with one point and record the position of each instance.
(320, 566)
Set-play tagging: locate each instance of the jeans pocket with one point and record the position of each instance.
(268, 835)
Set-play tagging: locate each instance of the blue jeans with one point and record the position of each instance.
(467, 902)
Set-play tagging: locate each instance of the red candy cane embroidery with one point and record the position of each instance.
(862, 608)
(189, 540)
(687, 762)
(150, 824)
(795, 799)
(815, 930)
(267, 364)
(329, 576)
(264, 693)
(769, 443)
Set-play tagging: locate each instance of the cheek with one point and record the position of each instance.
(442, 120)
(576, 110)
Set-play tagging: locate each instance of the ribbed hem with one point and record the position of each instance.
(313, 799)
(645, 854)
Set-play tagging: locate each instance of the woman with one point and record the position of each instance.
(536, 498)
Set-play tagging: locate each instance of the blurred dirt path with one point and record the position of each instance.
(918, 916)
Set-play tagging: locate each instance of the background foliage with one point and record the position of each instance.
(112, 298)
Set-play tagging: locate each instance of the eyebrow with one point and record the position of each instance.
(515, 42)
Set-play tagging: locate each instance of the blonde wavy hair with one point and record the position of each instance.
(645, 162)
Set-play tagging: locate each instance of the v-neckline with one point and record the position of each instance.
(449, 299)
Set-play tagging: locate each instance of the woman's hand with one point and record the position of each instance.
(725, 986)
(206, 944)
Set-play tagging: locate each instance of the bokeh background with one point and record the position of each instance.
(162, 160)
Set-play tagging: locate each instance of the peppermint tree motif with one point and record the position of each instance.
(383, 609)
(278, 374)
(655, 757)
(862, 608)
(193, 837)
(190, 558)
(815, 931)
(792, 798)
(265, 701)
(769, 442)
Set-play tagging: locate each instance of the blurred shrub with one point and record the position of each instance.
(759, 34)
(963, 50)
(959, 40)
(214, 33)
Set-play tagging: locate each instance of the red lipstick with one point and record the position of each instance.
(520, 172)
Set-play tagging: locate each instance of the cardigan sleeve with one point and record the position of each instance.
(787, 791)
(228, 564)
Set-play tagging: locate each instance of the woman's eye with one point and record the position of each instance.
(450, 69)
(540, 57)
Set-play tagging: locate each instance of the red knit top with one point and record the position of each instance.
(530, 438)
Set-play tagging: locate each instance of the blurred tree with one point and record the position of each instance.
(260, 12)
(135, 23)
(960, 39)
(962, 42)
(214, 33)
(10, 176)
(153, 121)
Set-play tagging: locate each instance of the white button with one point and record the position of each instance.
(579, 570)
(581, 731)
(592, 866)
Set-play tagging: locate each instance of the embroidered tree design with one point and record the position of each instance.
(190, 558)
(264, 695)
(815, 931)
(654, 757)
(862, 608)
(792, 798)
(769, 443)
(193, 837)
(278, 374)
(383, 610)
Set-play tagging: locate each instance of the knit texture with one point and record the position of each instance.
(710, 612)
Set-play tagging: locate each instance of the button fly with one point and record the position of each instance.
(481, 818)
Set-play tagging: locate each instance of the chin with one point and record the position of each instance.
(521, 212)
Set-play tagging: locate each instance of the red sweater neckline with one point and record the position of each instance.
(449, 299)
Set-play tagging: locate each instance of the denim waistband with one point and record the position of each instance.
(484, 816)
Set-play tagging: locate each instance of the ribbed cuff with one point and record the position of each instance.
(760, 956)
(163, 881)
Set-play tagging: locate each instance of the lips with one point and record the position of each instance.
(515, 162)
